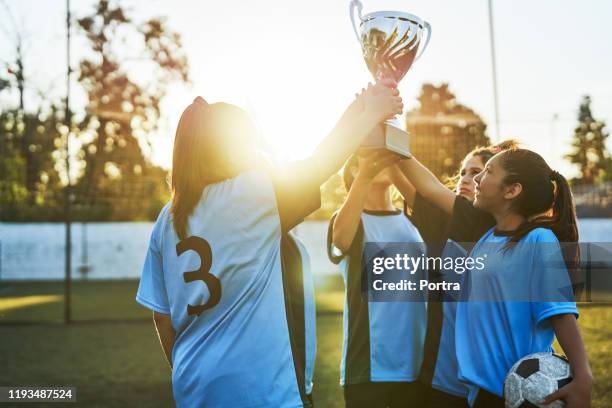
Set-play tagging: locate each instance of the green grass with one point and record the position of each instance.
(96, 300)
(112, 356)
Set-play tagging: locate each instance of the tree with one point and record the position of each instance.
(124, 75)
(122, 114)
(442, 130)
(27, 137)
(29, 182)
(589, 150)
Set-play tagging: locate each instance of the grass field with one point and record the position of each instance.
(112, 356)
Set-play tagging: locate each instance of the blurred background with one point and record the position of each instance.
(91, 92)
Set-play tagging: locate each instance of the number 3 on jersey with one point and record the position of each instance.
(202, 248)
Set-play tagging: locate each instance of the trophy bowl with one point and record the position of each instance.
(391, 41)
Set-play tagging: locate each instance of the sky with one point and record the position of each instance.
(295, 65)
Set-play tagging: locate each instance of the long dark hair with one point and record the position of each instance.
(485, 153)
(545, 200)
(213, 142)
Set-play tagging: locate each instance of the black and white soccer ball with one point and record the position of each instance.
(533, 378)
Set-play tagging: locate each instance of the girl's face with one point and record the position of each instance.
(466, 186)
(491, 194)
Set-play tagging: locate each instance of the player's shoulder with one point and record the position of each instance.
(489, 236)
(253, 175)
(160, 225)
(164, 212)
(253, 181)
(541, 234)
(163, 218)
(245, 198)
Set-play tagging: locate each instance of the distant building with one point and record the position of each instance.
(442, 131)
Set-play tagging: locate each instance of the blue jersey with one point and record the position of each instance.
(445, 236)
(383, 341)
(494, 329)
(446, 370)
(236, 305)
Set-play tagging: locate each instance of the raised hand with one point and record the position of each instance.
(374, 162)
(382, 100)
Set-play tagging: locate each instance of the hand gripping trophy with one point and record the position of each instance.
(390, 42)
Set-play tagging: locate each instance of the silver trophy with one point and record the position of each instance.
(391, 41)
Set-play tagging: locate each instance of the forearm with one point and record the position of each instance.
(406, 189)
(568, 335)
(343, 140)
(166, 335)
(348, 218)
(427, 184)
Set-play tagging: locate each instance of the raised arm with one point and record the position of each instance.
(428, 185)
(297, 184)
(403, 185)
(346, 222)
(578, 392)
(372, 106)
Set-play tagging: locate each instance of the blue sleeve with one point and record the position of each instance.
(152, 288)
(551, 288)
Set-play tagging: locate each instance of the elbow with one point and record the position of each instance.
(339, 242)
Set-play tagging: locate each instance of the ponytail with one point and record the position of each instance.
(545, 200)
(564, 213)
(565, 226)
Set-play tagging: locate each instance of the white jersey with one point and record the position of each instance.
(238, 312)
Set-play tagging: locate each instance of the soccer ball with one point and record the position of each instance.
(533, 378)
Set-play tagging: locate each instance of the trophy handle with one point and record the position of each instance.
(428, 27)
(355, 4)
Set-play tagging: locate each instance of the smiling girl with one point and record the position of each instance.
(510, 312)
(446, 219)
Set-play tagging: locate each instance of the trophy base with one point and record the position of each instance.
(390, 137)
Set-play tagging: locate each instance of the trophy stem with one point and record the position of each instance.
(396, 138)
(389, 135)
(395, 122)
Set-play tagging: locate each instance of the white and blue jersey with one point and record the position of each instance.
(239, 304)
(383, 341)
(498, 325)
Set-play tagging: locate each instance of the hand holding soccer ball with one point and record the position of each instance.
(545, 380)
